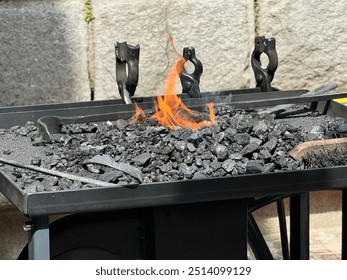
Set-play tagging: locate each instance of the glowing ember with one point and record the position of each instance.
(170, 110)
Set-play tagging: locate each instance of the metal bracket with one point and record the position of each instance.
(38, 236)
(264, 76)
(127, 69)
(190, 82)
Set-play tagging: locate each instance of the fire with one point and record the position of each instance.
(170, 110)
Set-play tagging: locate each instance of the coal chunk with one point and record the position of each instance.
(255, 140)
(317, 132)
(36, 161)
(220, 151)
(228, 165)
(162, 150)
(166, 167)
(242, 138)
(259, 128)
(142, 159)
(197, 134)
(249, 149)
(122, 124)
(293, 127)
(180, 145)
(342, 128)
(35, 186)
(191, 147)
(313, 136)
(235, 156)
(265, 154)
(229, 133)
(75, 129)
(200, 175)
(288, 135)
(254, 166)
(218, 137)
(23, 131)
(271, 144)
(215, 165)
(7, 152)
(188, 171)
(269, 167)
(219, 173)
(282, 161)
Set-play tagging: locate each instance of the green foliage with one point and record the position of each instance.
(88, 16)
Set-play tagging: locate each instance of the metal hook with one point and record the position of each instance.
(265, 76)
(127, 69)
(190, 82)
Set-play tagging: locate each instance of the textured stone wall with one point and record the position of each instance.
(221, 31)
(311, 41)
(49, 53)
(12, 236)
(43, 52)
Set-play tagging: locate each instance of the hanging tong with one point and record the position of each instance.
(127, 69)
(264, 76)
(190, 82)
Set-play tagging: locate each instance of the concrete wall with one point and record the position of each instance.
(311, 41)
(43, 52)
(221, 31)
(12, 236)
(50, 53)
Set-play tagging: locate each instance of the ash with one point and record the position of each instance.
(240, 142)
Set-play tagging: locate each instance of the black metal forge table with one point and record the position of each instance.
(191, 219)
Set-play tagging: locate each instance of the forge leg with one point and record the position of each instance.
(299, 227)
(344, 225)
(38, 246)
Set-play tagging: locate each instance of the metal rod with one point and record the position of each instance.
(344, 225)
(256, 241)
(326, 107)
(57, 173)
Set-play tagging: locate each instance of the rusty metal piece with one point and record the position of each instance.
(107, 160)
(264, 76)
(127, 69)
(191, 82)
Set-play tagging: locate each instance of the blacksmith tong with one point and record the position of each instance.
(190, 82)
(127, 69)
(264, 76)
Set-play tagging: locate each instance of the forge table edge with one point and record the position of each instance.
(175, 192)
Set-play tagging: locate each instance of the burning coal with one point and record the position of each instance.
(121, 152)
(170, 111)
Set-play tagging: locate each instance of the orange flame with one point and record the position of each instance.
(170, 110)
